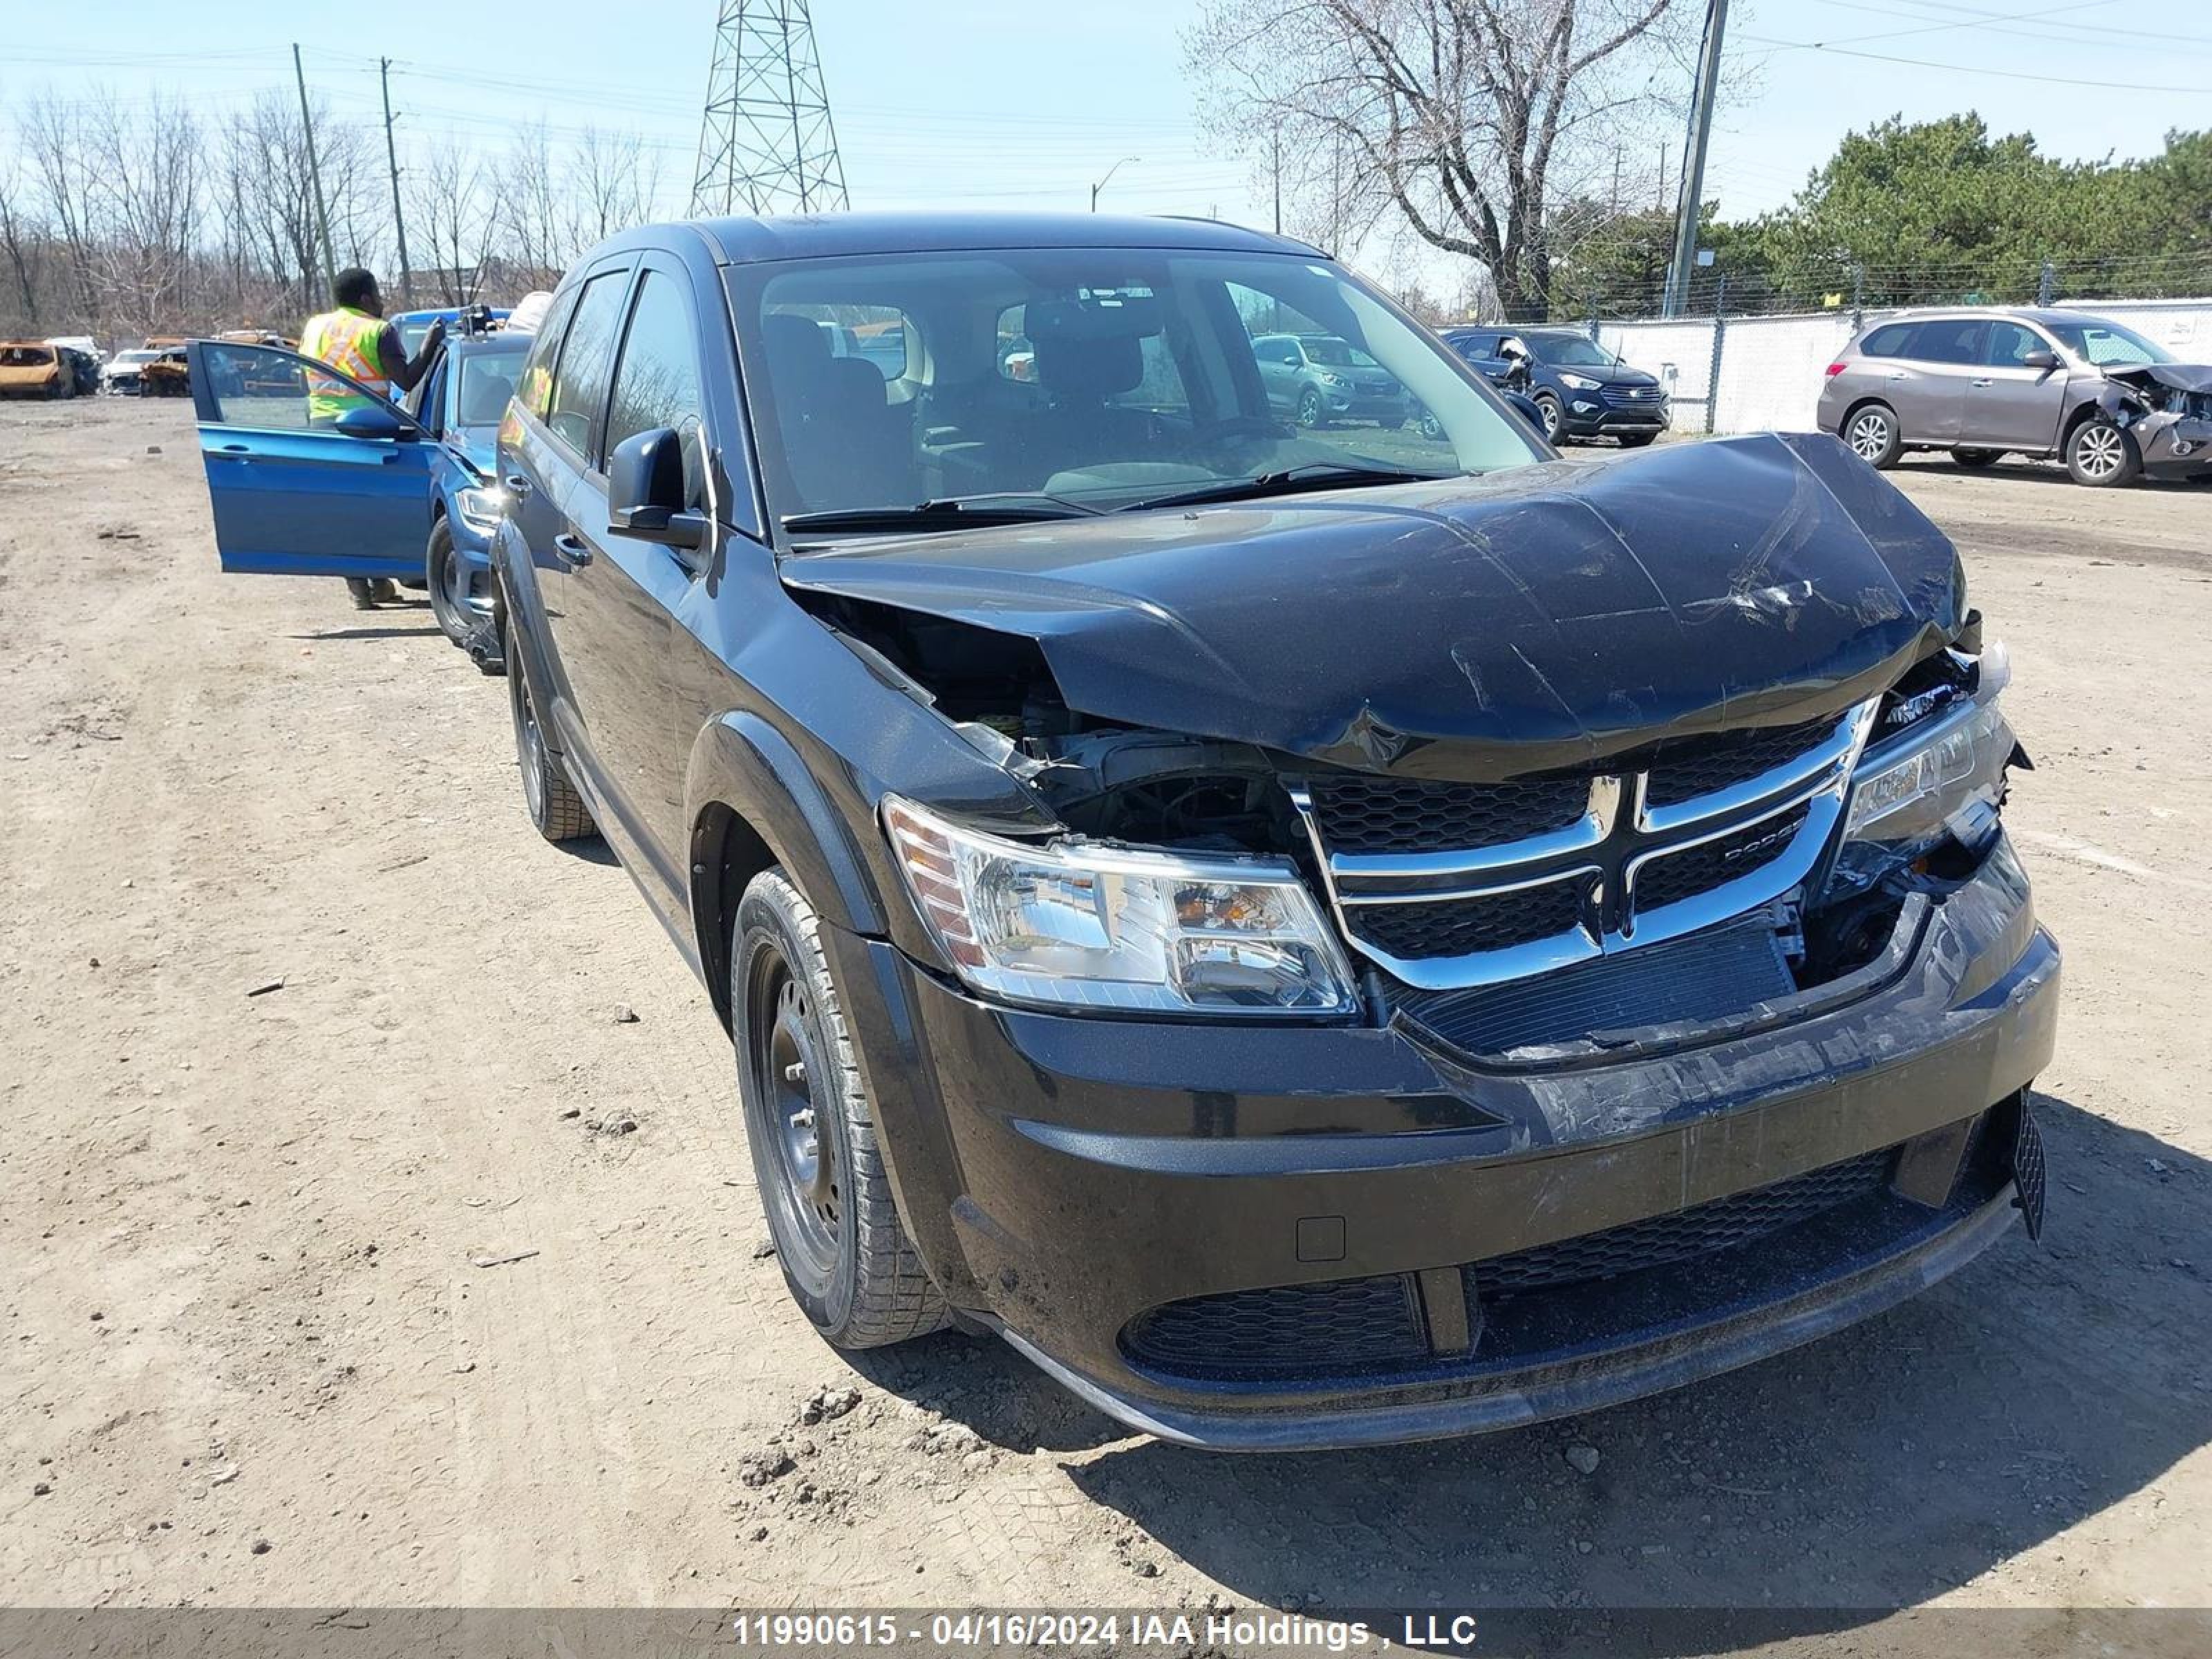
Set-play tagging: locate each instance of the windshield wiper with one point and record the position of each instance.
(946, 512)
(1307, 475)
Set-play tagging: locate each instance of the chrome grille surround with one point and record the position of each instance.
(1619, 835)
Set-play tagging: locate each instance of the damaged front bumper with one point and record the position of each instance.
(1268, 1238)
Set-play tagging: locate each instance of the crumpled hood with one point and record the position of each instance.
(2182, 377)
(1470, 629)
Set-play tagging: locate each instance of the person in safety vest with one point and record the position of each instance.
(356, 341)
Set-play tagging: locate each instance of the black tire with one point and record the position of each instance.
(1638, 440)
(843, 1249)
(1310, 415)
(1975, 460)
(1431, 428)
(1873, 433)
(446, 575)
(555, 809)
(1554, 418)
(2101, 455)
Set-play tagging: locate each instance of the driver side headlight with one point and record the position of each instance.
(1092, 928)
(1943, 780)
(1580, 382)
(483, 507)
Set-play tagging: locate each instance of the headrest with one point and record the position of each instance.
(796, 345)
(1086, 350)
(853, 381)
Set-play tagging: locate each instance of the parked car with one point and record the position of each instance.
(1580, 389)
(167, 374)
(414, 499)
(413, 327)
(1984, 384)
(1316, 379)
(1312, 947)
(32, 368)
(84, 357)
(119, 373)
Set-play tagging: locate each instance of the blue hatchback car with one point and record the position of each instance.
(415, 480)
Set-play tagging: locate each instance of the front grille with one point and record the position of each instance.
(1722, 1224)
(1450, 886)
(1349, 1326)
(1701, 868)
(1458, 928)
(1703, 977)
(1690, 767)
(1631, 397)
(1358, 812)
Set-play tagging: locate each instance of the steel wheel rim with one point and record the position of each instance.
(2098, 451)
(1869, 436)
(788, 1082)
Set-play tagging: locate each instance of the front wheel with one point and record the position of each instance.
(1431, 428)
(844, 1251)
(556, 810)
(447, 575)
(1547, 408)
(1311, 416)
(2101, 455)
(1872, 433)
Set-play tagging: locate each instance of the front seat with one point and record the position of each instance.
(1086, 355)
(844, 445)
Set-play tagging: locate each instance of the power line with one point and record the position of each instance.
(1975, 69)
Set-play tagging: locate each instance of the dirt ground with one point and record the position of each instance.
(252, 1355)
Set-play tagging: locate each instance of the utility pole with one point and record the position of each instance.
(1694, 158)
(1276, 167)
(398, 218)
(314, 171)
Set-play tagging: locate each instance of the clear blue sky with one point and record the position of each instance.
(1024, 105)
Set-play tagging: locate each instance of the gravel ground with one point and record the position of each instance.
(251, 1354)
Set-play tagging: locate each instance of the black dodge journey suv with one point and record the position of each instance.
(1314, 935)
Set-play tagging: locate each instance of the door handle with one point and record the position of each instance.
(518, 486)
(1983, 382)
(572, 551)
(1899, 375)
(237, 449)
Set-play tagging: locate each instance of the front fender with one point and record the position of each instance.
(741, 761)
(522, 607)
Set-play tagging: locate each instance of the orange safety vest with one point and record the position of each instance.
(346, 340)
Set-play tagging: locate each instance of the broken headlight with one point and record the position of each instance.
(1103, 929)
(1941, 779)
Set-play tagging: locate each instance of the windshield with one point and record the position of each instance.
(1101, 378)
(488, 375)
(1569, 350)
(136, 357)
(2108, 343)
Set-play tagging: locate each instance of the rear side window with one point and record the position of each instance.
(1887, 341)
(1949, 340)
(587, 355)
(657, 382)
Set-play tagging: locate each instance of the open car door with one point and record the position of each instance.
(297, 496)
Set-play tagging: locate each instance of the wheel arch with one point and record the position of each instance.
(752, 805)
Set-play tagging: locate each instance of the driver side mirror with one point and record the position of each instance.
(646, 496)
(2044, 360)
(374, 420)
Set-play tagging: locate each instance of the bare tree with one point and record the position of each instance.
(21, 238)
(1468, 119)
(51, 132)
(613, 183)
(448, 196)
(146, 173)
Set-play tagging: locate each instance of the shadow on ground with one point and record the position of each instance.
(1873, 1469)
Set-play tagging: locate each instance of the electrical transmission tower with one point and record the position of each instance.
(767, 144)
